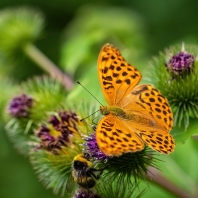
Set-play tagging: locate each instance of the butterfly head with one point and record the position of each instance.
(104, 110)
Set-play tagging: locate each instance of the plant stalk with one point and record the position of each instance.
(157, 178)
(47, 65)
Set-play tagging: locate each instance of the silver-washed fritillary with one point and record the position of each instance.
(136, 115)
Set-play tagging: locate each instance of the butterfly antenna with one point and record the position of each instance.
(89, 115)
(89, 92)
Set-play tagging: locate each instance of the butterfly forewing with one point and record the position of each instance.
(117, 77)
(114, 137)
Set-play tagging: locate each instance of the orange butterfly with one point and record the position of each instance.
(136, 115)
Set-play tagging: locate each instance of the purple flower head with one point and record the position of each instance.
(92, 147)
(19, 106)
(84, 193)
(58, 132)
(180, 62)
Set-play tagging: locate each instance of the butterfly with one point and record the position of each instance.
(136, 115)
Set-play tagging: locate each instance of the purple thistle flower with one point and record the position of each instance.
(92, 147)
(180, 62)
(58, 132)
(84, 193)
(19, 106)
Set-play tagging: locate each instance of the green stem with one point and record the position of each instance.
(157, 178)
(195, 137)
(47, 65)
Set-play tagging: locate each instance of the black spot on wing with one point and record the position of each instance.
(118, 81)
(105, 70)
(105, 58)
(128, 81)
(140, 91)
(112, 67)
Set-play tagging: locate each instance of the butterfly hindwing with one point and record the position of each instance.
(147, 101)
(159, 141)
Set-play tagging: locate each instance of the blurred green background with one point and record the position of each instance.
(73, 35)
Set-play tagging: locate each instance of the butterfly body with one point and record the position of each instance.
(105, 110)
(135, 115)
(120, 113)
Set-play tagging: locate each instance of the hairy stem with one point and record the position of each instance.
(47, 65)
(157, 178)
(195, 137)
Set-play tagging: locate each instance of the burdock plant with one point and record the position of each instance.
(29, 107)
(175, 73)
(45, 124)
